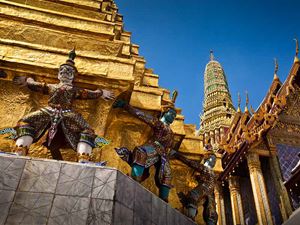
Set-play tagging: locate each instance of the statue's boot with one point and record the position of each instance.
(164, 193)
(84, 157)
(84, 152)
(20, 150)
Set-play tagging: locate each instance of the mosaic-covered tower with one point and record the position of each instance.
(218, 109)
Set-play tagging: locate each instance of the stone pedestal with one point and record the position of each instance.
(294, 218)
(38, 191)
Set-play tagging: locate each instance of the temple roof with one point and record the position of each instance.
(248, 132)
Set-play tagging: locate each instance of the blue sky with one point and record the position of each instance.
(175, 38)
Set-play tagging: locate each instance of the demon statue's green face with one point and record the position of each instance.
(169, 116)
(210, 161)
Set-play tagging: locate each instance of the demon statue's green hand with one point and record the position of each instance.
(120, 103)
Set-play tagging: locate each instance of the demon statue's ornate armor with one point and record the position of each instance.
(154, 152)
(203, 193)
(62, 125)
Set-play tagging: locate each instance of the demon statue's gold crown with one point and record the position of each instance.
(70, 61)
(170, 104)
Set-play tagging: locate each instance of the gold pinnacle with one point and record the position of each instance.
(239, 102)
(297, 51)
(211, 55)
(247, 102)
(276, 69)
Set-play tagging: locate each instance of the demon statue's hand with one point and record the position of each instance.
(172, 154)
(20, 80)
(120, 103)
(107, 95)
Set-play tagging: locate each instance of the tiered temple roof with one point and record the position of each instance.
(250, 129)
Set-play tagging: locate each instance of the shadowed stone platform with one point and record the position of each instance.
(40, 191)
(294, 219)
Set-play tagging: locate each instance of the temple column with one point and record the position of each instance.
(261, 200)
(220, 204)
(222, 132)
(206, 137)
(212, 137)
(217, 136)
(236, 201)
(285, 203)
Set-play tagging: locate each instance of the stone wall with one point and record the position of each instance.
(39, 191)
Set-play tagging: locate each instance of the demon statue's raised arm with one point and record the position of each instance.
(62, 125)
(155, 151)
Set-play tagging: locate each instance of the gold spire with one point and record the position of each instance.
(211, 55)
(297, 51)
(276, 69)
(252, 110)
(247, 102)
(239, 102)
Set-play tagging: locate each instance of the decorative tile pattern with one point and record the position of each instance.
(40, 176)
(6, 198)
(104, 184)
(142, 206)
(100, 212)
(11, 169)
(75, 180)
(122, 215)
(30, 208)
(248, 201)
(69, 210)
(125, 190)
(288, 159)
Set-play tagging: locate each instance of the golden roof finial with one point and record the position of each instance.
(239, 102)
(297, 51)
(247, 102)
(211, 55)
(276, 69)
(252, 110)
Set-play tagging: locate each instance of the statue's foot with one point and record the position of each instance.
(84, 158)
(20, 150)
(192, 212)
(102, 163)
